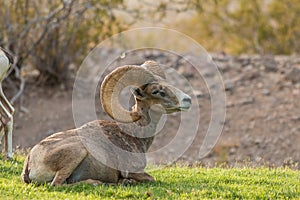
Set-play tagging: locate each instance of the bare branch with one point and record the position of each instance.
(22, 85)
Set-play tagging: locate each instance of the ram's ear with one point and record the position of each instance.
(138, 93)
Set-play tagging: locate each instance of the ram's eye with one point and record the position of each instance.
(163, 94)
(155, 92)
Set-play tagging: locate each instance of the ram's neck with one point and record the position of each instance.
(148, 116)
(148, 127)
(145, 128)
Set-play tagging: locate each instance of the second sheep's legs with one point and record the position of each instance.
(8, 111)
(3, 97)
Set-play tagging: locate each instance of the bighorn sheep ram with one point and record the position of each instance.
(64, 157)
(6, 109)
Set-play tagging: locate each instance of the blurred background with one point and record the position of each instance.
(254, 43)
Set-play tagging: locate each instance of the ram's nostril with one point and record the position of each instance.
(188, 100)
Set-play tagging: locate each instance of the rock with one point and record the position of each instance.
(223, 67)
(187, 71)
(249, 67)
(296, 92)
(248, 100)
(244, 60)
(265, 92)
(260, 85)
(249, 76)
(208, 73)
(229, 85)
(293, 75)
(199, 94)
(269, 63)
(230, 104)
(232, 150)
(296, 118)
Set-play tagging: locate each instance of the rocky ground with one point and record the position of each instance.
(262, 123)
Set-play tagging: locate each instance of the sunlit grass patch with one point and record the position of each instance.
(177, 182)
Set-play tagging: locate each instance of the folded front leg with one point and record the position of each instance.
(139, 177)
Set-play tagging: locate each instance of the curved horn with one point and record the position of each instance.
(115, 82)
(154, 68)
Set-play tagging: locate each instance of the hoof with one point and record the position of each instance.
(93, 182)
(127, 181)
(6, 157)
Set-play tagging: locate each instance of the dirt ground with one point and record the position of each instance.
(262, 111)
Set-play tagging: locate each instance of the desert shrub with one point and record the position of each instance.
(241, 26)
(51, 35)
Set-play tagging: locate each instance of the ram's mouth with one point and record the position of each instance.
(177, 109)
(187, 108)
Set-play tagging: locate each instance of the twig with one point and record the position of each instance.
(22, 85)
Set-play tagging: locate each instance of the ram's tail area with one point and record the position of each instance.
(25, 173)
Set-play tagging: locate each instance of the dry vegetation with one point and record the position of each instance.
(243, 26)
(52, 35)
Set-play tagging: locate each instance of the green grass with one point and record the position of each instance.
(172, 183)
